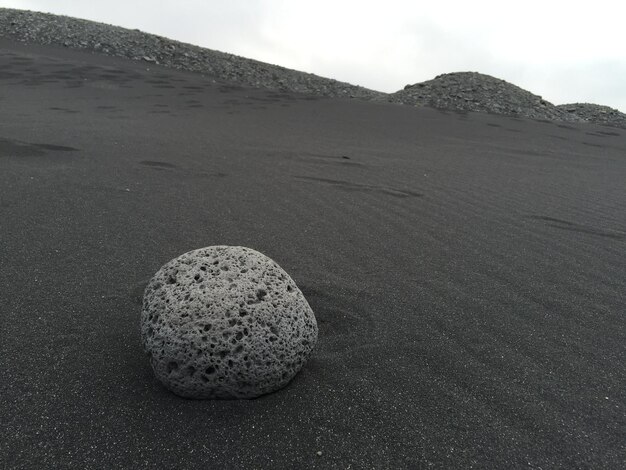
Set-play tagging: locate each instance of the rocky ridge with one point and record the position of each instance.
(596, 113)
(47, 29)
(472, 91)
(463, 91)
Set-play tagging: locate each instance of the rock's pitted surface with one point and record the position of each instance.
(225, 322)
(596, 113)
(472, 91)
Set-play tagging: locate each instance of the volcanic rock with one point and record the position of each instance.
(225, 322)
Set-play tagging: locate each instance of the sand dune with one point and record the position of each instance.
(467, 272)
(74, 33)
(458, 91)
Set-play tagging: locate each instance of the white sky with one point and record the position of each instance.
(566, 51)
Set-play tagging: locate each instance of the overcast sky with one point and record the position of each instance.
(566, 51)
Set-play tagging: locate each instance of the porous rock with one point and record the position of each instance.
(225, 322)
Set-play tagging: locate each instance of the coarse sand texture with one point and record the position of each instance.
(225, 322)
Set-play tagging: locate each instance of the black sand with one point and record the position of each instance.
(467, 272)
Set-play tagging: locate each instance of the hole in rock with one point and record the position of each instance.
(210, 370)
(260, 294)
(172, 366)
